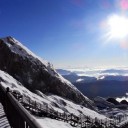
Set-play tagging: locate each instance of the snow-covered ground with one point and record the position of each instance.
(55, 102)
(52, 123)
(120, 116)
(59, 104)
(114, 112)
(119, 99)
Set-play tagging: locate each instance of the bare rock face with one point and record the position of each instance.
(35, 73)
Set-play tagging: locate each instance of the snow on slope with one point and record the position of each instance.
(63, 105)
(20, 49)
(119, 99)
(51, 123)
(23, 51)
(76, 109)
(79, 80)
(40, 74)
(16, 46)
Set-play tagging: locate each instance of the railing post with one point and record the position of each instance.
(21, 123)
(35, 105)
(29, 103)
(47, 109)
(40, 106)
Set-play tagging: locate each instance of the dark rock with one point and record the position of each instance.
(124, 102)
(113, 100)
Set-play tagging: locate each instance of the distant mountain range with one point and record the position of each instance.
(117, 71)
(105, 83)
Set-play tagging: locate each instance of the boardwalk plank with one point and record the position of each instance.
(4, 123)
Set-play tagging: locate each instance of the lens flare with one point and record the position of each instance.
(124, 4)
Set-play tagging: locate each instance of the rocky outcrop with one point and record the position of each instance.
(35, 73)
(102, 103)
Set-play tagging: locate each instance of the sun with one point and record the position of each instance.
(117, 26)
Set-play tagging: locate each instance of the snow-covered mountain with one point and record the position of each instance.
(99, 82)
(60, 104)
(36, 79)
(116, 71)
(87, 75)
(112, 77)
(35, 73)
(53, 102)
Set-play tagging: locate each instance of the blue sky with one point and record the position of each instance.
(68, 33)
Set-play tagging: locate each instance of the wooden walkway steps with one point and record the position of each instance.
(4, 123)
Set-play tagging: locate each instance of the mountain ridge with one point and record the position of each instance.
(35, 73)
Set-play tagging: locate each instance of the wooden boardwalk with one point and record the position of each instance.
(4, 123)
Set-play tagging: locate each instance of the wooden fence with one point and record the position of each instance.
(21, 107)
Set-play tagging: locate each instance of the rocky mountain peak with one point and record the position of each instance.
(35, 73)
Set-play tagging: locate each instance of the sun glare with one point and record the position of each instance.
(118, 26)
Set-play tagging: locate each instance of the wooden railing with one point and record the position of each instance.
(17, 115)
(19, 110)
(39, 109)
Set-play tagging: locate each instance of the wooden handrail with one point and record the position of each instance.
(22, 112)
